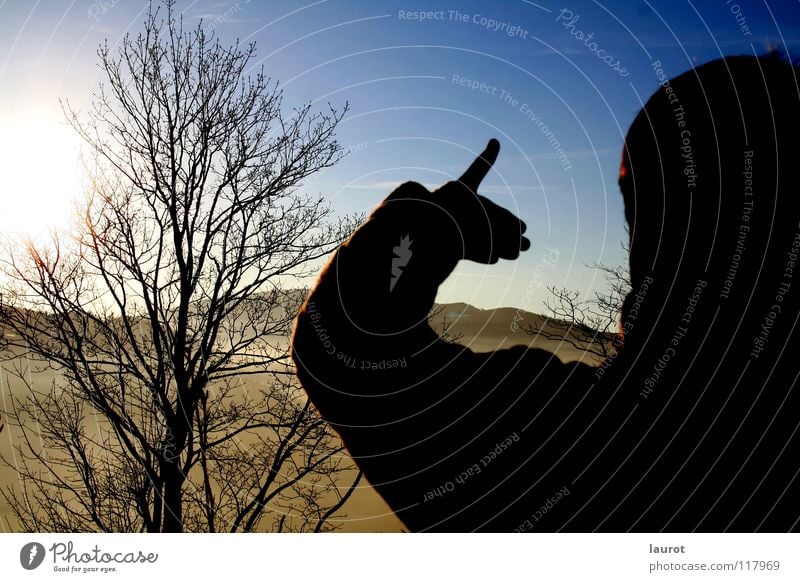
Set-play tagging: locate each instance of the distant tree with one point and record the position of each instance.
(442, 323)
(587, 324)
(163, 310)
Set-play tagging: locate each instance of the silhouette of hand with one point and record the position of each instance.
(488, 232)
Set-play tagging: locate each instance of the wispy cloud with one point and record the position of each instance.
(218, 12)
(570, 154)
(388, 185)
(384, 185)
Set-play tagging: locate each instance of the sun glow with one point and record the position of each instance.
(39, 175)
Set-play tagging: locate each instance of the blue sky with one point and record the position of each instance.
(425, 95)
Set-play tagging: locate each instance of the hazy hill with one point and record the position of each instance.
(480, 329)
(484, 330)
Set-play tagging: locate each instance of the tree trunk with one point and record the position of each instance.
(173, 495)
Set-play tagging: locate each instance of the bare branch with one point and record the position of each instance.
(162, 313)
(587, 324)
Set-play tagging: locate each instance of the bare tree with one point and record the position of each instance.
(587, 324)
(442, 323)
(163, 310)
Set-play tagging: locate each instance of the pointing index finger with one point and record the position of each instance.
(477, 171)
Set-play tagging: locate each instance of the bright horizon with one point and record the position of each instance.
(557, 86)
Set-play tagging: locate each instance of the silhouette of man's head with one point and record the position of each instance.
(710, 185)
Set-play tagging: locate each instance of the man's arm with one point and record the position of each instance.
(417, 412)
